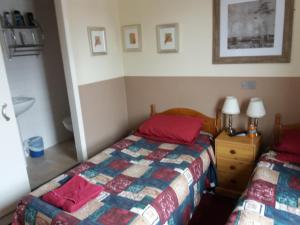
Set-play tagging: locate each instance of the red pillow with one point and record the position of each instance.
(287, 157)
(171, 128)
(290, 142)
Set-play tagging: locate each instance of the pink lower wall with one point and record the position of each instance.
(112, 108)
(206, 94)
(104, 110)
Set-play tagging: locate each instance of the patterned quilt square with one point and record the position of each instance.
(266, 174)
(147, 144)
(101, 179)
(119, 201)
(157, 155)
(88, 209)
(196, 168)
(159, 184)
(203, 140)
(151, 192)
(42, 219)
(181, 188)
(135, 187)
(94, 172)
(165, 204)
(135, 170)
(252, 218)
(134, 138)
(165, 174)
(118, 184)
(65, 218)
(262, 191)
(167, 146)
(119, 164)
(79, 169)
(100, 157)
(287, 197)
(198, 148)
(294, 183)
(150, 215)
(30, 215)
(125, 143)
(116, 216)
(134, 148)
(43, 207)
(21, 211)
(186, 150)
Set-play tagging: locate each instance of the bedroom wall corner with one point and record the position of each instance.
(104, 109)
(100, 78)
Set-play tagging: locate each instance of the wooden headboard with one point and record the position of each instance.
(211, 125)
(279, 126)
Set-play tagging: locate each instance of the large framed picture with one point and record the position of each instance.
(97, 39)
(167, 38)
(132, 38)
(252, 31)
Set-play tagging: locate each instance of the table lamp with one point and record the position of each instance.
(231, 107)
(256, 110)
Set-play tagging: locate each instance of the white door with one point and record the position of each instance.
(14, 181)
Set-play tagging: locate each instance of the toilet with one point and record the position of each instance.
(67, 122)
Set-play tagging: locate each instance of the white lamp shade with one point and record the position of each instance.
(231, 106)
(256, 108)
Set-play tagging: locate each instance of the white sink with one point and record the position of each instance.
(22, 104)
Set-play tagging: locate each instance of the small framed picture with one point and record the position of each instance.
(167, 38)
(97, 38)
(132, 38)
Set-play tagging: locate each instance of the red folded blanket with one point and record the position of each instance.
(73, 194)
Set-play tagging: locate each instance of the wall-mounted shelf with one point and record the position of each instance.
(20, 27)
(23, 40)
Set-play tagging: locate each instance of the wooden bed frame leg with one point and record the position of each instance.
(153, 110)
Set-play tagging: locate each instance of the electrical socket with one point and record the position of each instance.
(248, 84)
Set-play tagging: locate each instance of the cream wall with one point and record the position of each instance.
(195, 58)
(99, 13)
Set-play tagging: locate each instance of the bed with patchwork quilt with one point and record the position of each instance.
(145, 182)
(272, 195)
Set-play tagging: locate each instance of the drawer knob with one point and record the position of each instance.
(232, 151)
(232, 167)
(233, 181)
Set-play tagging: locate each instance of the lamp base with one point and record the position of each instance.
(230, 131)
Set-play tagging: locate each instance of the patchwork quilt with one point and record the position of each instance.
(272, 196)
(146, 183)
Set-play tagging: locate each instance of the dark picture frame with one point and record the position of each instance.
(232, 50)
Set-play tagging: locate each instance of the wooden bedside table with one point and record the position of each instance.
(235, 161)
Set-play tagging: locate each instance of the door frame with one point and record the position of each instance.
(71, 79)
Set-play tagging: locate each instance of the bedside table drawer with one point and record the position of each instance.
(234, 166)
(232, 181)
(237, 152)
